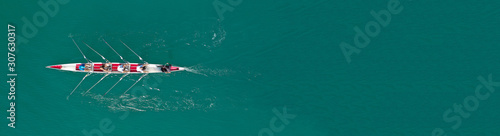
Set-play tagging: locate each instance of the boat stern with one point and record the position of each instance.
(174, 68)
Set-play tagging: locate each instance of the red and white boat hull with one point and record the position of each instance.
(134, 68)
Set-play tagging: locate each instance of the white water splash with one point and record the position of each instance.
(195, 71)
(201, 70)
(175, 101)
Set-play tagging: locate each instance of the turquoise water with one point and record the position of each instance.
(262, 57)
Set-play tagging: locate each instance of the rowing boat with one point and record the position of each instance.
(108, 67)
(116, 68)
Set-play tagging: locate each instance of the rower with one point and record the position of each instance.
(85, 67)
(107, 67)
(82, 67)
(88, 67)
(124, 67)
(166, 68)
(142, 68)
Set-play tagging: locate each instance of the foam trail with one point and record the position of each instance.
(189, 69)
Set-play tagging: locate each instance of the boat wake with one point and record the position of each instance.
(195, 71)
(176, 101)
(201, 70)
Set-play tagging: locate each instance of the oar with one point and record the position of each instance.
(136, 82)
(88, 61)
(97, 53)
(88, 74)
(116, 83)
(134, 52)
(96, 83)
(114, 51)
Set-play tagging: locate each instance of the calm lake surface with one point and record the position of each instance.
(261, 68)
